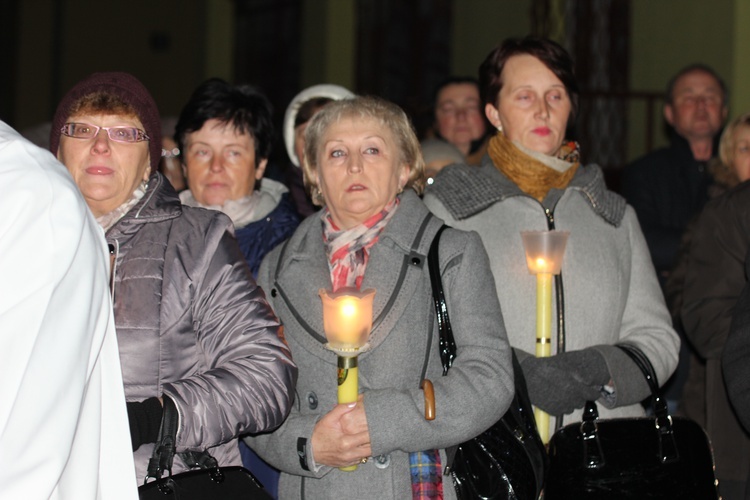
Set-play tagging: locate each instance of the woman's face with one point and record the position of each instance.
(221, 163)
(533, 105)
(741, 152)
(459, 115)
(359, 170)
(107, 172)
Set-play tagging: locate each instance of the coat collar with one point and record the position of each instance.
(159, 203)
(465, 191)
(394, 270)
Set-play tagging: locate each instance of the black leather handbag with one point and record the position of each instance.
(660, 457)
(207, 482)
(508, 460)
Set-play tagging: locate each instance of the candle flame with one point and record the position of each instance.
(349, 308)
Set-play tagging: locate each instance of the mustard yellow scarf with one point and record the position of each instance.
(532, 176)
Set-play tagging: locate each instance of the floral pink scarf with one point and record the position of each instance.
(349, 250)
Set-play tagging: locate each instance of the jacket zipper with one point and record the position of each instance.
(560, 302)
(114, 250)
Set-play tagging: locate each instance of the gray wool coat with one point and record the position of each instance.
(474, 394)
(611, 293)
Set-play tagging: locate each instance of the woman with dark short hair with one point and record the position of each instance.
(225, 133)
(459, 119)
(531, 179)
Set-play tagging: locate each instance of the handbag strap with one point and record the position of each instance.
(667, 449)
(447, 343)
(166, 445)
(642, 362)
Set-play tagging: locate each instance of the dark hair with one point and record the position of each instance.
(550, 53)
(695, 68)
(242, 106)
(309, 108)
(452, 80)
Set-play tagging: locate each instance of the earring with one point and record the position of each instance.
(500, 129)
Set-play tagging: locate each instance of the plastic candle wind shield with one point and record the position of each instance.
(347, 317)
(544, 250)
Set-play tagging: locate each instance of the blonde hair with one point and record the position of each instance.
(722, 168)
(383, 112)
(726, 143)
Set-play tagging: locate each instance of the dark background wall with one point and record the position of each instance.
(625, 51)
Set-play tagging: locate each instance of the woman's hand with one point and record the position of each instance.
(341, 437)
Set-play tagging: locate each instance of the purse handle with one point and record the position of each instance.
(165, 450)
(593, 453)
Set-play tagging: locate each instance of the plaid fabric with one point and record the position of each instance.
(426, 481)
(348, 251)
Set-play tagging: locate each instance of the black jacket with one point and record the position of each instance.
(667, 188)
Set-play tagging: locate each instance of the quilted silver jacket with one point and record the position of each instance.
(192, 324)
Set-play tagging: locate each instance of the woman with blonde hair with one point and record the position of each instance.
(363, 164)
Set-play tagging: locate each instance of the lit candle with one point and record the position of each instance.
(345, 323)
(544, 252)
(347, 320)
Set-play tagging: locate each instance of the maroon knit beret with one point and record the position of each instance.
(126, 87)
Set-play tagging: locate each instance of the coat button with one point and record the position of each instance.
(382, 461)
(274, 293)
(312, 400)
(415, 261)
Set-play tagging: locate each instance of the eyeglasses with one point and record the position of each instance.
(117, 134)
(451, 110)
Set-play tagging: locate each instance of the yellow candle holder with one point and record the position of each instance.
(544, 256)
(347, 321)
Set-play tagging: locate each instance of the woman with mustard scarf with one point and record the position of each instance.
(531, 179)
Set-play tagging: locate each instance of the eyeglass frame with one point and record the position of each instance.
(141, 135)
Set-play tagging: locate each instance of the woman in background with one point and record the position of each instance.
(225, 134)
(459, 119)
(711, 277)
(299, 112)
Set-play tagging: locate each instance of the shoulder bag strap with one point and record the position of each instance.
(447, 343)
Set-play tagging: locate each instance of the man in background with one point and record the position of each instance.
(669, 186)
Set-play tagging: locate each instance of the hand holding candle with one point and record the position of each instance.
(544, 255)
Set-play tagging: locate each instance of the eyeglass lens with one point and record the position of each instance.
(118, 134)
